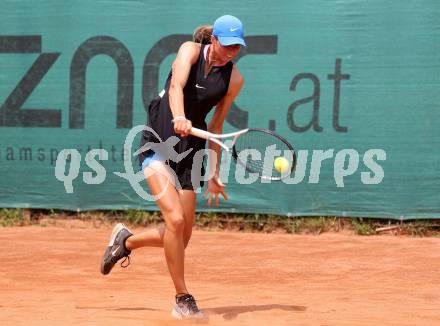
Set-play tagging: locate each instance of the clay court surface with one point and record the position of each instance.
(50, 276)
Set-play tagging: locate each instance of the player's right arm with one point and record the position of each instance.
(186, 56)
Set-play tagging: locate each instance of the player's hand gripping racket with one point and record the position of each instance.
(258, 150)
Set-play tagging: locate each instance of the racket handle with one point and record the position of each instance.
(200, 133)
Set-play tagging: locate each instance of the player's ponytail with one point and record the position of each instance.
(202, 34)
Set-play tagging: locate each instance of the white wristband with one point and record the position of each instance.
(179, 117)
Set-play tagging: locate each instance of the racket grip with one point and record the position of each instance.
(199, 133)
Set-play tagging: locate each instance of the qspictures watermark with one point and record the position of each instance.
(346, 162)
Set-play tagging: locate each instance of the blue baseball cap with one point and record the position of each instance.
(228, 30)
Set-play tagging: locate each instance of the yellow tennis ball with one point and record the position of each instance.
(281, 164)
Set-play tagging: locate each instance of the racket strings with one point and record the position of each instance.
(256, 151)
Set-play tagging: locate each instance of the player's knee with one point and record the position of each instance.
(177, 224)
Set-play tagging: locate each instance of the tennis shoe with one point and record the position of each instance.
(116, 249)
(186, 308)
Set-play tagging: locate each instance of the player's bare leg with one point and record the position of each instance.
(154, 237)
(149, 238)
(188, 202)
(168, 201)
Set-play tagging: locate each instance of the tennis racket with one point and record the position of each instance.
(256, 150)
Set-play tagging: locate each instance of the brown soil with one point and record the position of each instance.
(50, 276)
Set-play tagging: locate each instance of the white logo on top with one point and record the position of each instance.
(115, 251)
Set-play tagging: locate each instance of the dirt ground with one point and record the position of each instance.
(50, 276)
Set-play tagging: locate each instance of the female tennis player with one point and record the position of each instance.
(202, 76)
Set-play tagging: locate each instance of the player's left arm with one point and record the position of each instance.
(215, 186)
(222, 107)
(221, 110)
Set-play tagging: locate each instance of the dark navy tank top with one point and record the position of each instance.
(201, 93)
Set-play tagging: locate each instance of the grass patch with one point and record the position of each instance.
(269, 223)
(10, 216)
(136, 217)
(265, 223)
(363, 227)
(422, 228)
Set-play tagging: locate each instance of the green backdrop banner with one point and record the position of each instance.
(354, 85)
